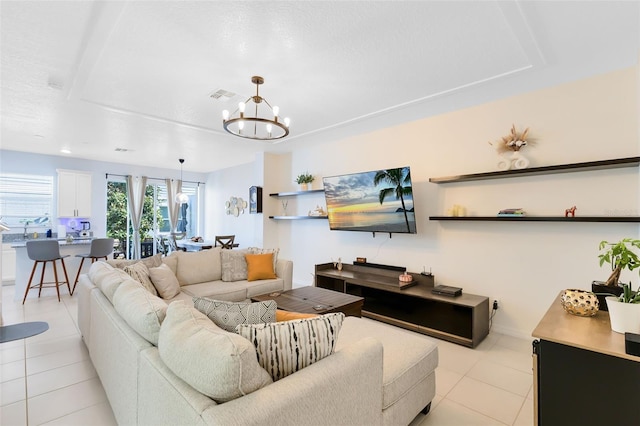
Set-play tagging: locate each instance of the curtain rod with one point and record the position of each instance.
(106, 176)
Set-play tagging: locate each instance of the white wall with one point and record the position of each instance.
(524, 265)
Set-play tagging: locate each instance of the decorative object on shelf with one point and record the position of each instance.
(338, 264)
(265, 128)
(181, 197)
(457, 210)
(255, 199)
(304, 180)
(285, 203)
(235, 206)
(318, 211)
(405, 278)
(579, 302)
(513, 142)
(570, 212)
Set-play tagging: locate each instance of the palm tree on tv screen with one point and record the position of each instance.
(396, 178)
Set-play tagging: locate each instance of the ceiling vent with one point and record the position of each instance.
(123, 150)
(222, 95)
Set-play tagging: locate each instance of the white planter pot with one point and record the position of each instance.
(625, 317)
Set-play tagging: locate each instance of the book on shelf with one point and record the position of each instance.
(512, 212)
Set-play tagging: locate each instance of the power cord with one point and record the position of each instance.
(493, 313)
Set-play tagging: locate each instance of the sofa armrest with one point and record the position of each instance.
(342, 389)
(284, 270)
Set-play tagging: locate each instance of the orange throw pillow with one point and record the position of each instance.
(288, 316)
(260, 267)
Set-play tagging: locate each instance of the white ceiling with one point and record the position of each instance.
(94, 77)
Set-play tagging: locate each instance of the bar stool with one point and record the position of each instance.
(42, 252)
(100, 249)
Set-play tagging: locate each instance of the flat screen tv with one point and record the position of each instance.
(375, 201)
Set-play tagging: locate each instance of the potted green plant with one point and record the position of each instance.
(620, 256)
(624, 307)
(304, 179)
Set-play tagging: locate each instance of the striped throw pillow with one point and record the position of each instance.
(286, 347)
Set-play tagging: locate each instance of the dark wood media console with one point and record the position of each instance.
(463, 319)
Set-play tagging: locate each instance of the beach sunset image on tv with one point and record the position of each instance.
(375, 201)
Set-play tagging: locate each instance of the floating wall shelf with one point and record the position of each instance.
(619, 219)
(295, 193)
(546, 170)
(296, 217)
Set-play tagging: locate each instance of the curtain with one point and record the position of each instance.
(135, 195)
(173, 207)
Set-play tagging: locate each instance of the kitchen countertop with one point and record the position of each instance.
(61, 241)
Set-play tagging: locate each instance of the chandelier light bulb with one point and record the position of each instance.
(287, 121)
(225, 114)
(241, 125)
(241, 107)
(276, 111)
(269, 128)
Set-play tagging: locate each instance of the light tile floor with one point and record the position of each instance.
(49, 378)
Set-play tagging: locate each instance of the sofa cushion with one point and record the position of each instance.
(228, 315)
(217, 363)
(256, 288)
(286, 347)
(172, 261)
(408, 357)
(107, 278)
(218, 290)
(234, 265)
(143, 311)
(260, 267)
(165, 281)
(258, 250)
(199, 266)
(139, 272)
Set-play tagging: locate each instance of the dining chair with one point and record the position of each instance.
(173, 241)
(101, 248)
(225, 241)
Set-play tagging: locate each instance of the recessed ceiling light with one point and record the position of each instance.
(65, 151)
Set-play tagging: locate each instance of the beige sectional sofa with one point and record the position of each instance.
(378, 374)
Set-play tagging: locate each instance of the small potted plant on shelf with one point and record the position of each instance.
(304, 179)
(619, 298)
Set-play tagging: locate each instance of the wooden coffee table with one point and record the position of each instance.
(315, 300)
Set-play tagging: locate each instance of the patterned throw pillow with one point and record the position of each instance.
(286, 347)
(234, 265)
(258, 250)
(228, 315)
(139, 272)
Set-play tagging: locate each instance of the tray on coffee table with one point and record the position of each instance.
(314, 300)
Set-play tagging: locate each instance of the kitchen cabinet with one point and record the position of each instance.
(74, 194)
(8, 263)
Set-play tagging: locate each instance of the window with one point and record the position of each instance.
(26, 201)
(155, 216)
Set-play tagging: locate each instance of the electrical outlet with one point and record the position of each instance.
(495, 305)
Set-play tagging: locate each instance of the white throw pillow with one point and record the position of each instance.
(143, 311)
(286, 347)
(165, 281)
(214, 362)
(234, 265)
(228, 315)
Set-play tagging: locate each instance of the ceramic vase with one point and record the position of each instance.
(519, 161)
(579, 302)
(625, 317)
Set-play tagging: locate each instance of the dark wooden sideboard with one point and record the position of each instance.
(582, 375)
(463, 319)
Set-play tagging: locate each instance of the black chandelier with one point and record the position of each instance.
(254, 126)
